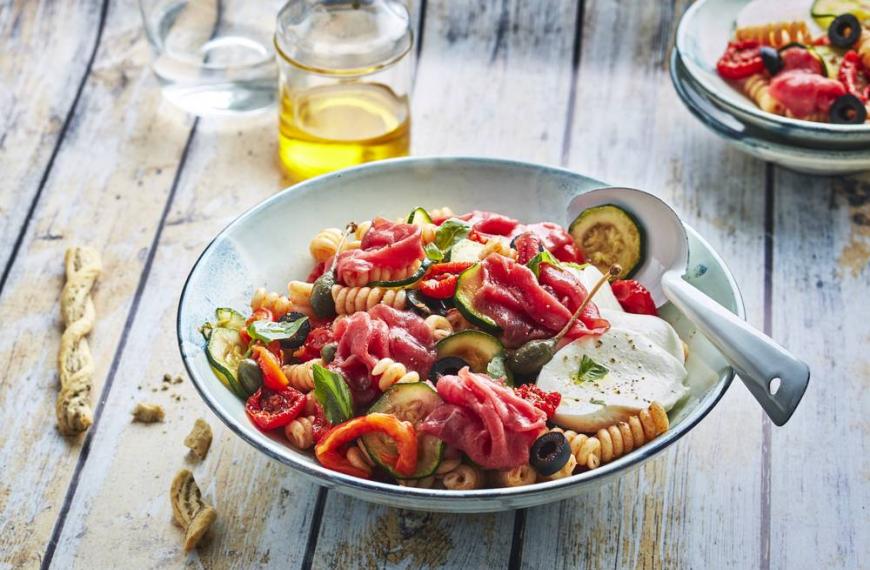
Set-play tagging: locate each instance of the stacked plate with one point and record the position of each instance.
(818, 148)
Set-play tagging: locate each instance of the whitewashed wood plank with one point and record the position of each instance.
(697, 505)
(493, 79)
(39, 81)
(264, 509)
(107, 189)
(819, 460)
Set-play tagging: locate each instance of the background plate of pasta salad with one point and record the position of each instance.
(449, 334)
(797, 68)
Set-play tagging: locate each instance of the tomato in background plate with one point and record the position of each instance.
(740, 60)
(634, 297)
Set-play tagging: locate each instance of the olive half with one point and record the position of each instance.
(549, 453)
(447, 366)
(844, 31)
(848, 110)
(297, 339)
(250, 376)
(425, 306)
(772, 60)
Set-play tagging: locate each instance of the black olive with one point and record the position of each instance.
(772, 60)
(549, 453)
(297, 339)
(848, 110)
(250, 376)
(844, 31)
(425, 306)
(449, 365)
(327, 353)
(321, 301)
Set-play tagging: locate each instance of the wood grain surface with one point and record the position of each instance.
(91, 154)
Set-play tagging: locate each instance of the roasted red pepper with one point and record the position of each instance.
(270, 366)
(271, 409)
(440, 281)
(740, 60)
(455, 267)
(329, 450)
(544, 401)
(853, 76)
(634, 297)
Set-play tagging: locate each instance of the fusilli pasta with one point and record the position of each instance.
(353, 299)
(300, 296)
(278, 305)
(427, 233)
(440, 326)
(457, 321)
(301, 376)
(325, 244)
(757, 88)
(863, 48)
(392, 372)
(776, 34)
(357, 457)
(463, 478)
(443, 212)
(363, 278)
(497, 245)
(514, 477)
(566, 471)
(299, 432)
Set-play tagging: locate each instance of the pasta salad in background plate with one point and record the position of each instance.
(459, 351)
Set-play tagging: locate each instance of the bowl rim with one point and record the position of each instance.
(329, 478)
(745, 106)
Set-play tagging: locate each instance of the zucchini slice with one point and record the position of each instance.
(229, 319)
(466, 250)
(477, 348)
(469, 282)
(824, 11)
(411, 403)
(608, 234)
(224, 353)
(419, 216)
(403, 282)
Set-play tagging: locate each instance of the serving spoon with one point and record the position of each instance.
(775, 377)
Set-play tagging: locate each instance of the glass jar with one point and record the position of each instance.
(344, 83)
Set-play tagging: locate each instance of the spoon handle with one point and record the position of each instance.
(756, 357)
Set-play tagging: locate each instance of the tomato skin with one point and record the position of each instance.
(634, 297)
(528, 245)
(547, 402)
(316, 272)
(740, 60)
(270, 409)
(442, 286)
(270, 366)
(328, 450)
(314, 343)
(455, 267)
(853, 76)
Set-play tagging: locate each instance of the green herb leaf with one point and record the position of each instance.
(433, 253)
(450, 232)
(268, 331)
(544, 257)
(496, 368)
(590, 370)
(330, 389)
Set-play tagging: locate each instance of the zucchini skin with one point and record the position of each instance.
(463, 302)
(627, 272)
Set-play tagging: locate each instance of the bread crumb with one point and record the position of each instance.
(190, 512)
(199, 438)
(148, 413)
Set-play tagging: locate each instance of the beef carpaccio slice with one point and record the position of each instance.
(385, 245)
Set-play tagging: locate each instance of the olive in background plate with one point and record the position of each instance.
(250, 376)
(549, 453)
(844, 31)
(297, 339)
(772, 60)
(848, 110)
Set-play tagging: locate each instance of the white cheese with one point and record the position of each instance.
(589, 275)
(658, 330)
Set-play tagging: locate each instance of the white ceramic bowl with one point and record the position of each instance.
(702, 37)
(758, 142)
(268, 245)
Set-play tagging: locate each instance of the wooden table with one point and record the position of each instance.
(91, 154)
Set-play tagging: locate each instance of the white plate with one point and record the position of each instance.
(702, 37)
(268, 245)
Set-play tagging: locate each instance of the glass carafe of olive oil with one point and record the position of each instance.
(345, 74)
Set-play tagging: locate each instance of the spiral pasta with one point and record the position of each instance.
(566, 471)
(443, 212)
(353, 299)
(815, 117)
(374, 274)
(776, 34)
(514, 477)
(440, 326)
(361, 229)
(324, 245)
(615, 441)
(300, 432)
(427, 233)
(757, 88)
(463, 478)
(863, 48)
(278, 305)
(358, 457)
(457, 321)
(392, 372)
(299, 293)
(301, 376)
(497, 245)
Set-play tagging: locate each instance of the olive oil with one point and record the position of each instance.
(334, 126)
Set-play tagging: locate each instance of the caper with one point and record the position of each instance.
(250, 376)
(327, 353)
(531, 357)
(322, 302)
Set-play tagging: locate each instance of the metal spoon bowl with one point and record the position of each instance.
(775, 377)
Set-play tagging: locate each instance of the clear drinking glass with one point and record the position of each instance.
(344, 83)
(213, 56)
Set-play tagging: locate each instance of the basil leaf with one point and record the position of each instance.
(589, 371)
(544, 257)
(496, 368)
(269, 331)
(330, 389)
(450, 232)
(433, 253)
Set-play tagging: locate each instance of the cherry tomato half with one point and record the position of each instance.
(740, 60)
(270, 409)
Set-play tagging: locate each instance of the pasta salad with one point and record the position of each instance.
(814, 69)
(459, 351)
